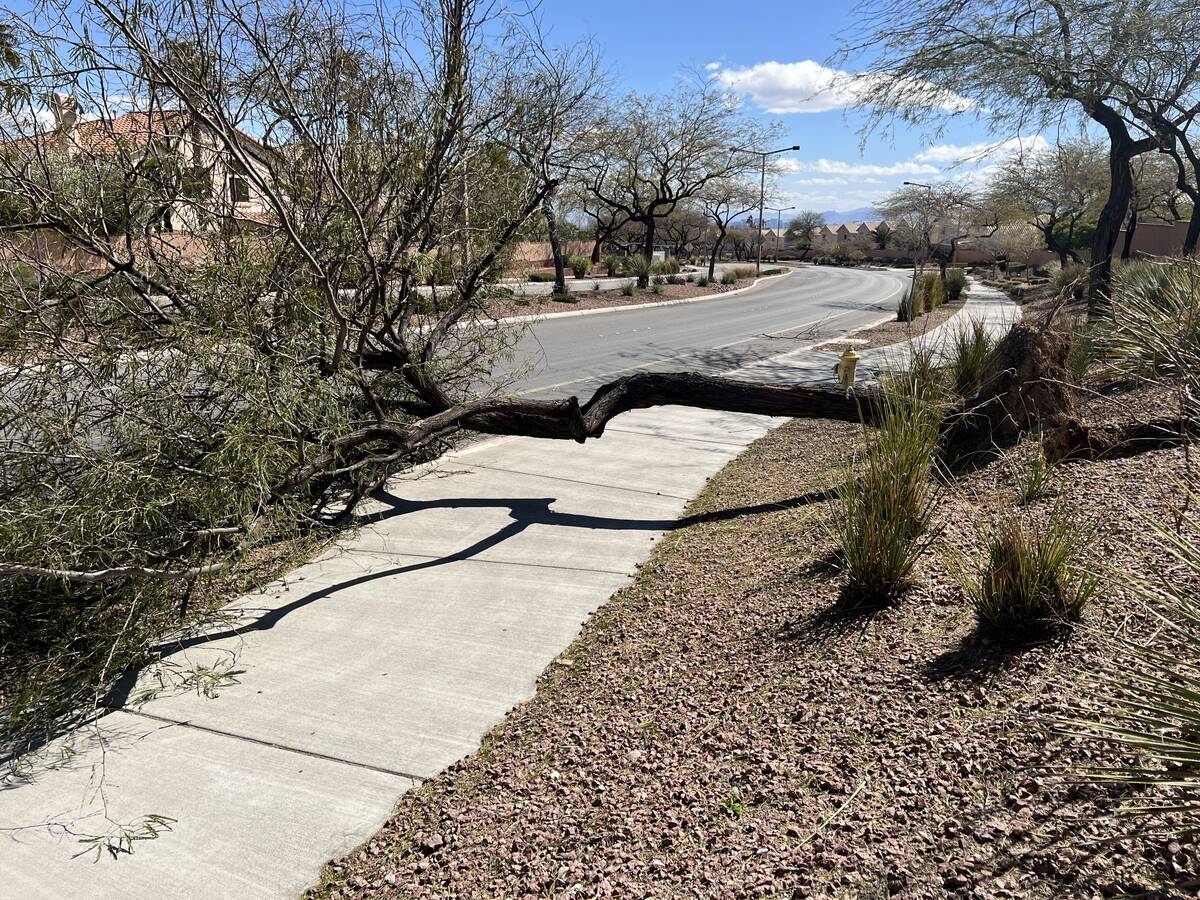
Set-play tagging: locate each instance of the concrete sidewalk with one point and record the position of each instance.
(375, 666)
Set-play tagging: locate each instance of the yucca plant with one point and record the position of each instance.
(887, 499)
(1145, 701)
(640, 267)
(1032, 580)
(1155, 329)
(969, 350)
(613, 264)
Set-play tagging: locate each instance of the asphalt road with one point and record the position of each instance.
(564, 355)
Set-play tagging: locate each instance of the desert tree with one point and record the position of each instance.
(939, 217)
(658, 151)
(1056, 191)
(725, 200)
(1026, 65)
(1155, 189)
(803, 230)
(562, 92)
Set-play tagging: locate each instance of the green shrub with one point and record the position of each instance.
(668, 266)
(728, 278)
(540, 276)
(628, 289)
(579, 265)
(1033, 475)
(640, 267)
(1144, 701)
(702, 281)
(656, 288)
(675, 279)
(887, 501)
(929, 292)
(566, 297)
(906, 308)
(1084, 348)
(1032, 580)
(1071, 279)
(969, 350)
(956, 284)
(614, 264)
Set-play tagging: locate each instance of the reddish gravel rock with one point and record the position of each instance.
(722, 732)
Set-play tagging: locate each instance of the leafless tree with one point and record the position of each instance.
(725, 200)
(803, 228)
(659, 151)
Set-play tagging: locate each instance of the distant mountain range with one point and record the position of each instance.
(862, 214)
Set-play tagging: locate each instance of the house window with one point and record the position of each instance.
(239, 186)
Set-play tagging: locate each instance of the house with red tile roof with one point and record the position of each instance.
(220, 188)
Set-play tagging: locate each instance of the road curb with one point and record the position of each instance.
(540, 317)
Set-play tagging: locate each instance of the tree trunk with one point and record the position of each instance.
(1122, 149)
(596, 246)
(647, 249)
(716, 250)
(1193, 230)
(560, 273)
(1130, 228)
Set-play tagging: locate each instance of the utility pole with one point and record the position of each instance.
(762, 191)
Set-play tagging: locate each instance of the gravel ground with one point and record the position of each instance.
(720, 730)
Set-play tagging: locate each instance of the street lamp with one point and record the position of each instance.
(779, 211)
(762, 191)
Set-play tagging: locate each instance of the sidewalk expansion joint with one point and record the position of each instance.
(611, 487)
(383, 770)
(494, 562)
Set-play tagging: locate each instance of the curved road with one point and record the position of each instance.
(569, 354)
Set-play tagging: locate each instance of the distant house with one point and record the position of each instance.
(214, 188)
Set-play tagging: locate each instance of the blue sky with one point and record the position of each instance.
(773, 54)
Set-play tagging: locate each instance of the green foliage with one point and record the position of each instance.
(1032, 580)
(887, 498)
(675, 279)
(956, 283)
(969, 350)
(614, 264)
(540, 277)
(659, 280)
(1033, 476)
(930, 293)
(1154, 332)
(728, 278)
(702, 281)
(668, 266)
(1085, 348)
(1145, 700)
(640, 267)
(579, 265)
(1071, 279)
(628, 289)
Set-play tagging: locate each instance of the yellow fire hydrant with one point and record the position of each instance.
(846, 368)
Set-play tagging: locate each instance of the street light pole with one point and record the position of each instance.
(762, 191)
(779, 211)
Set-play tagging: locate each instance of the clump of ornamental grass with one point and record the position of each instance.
(1032, 580)
(887, 498)
(970, 347)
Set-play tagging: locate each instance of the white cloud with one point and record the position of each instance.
(809, 86)
(839, 167)
(981, 153)
(712, 66)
